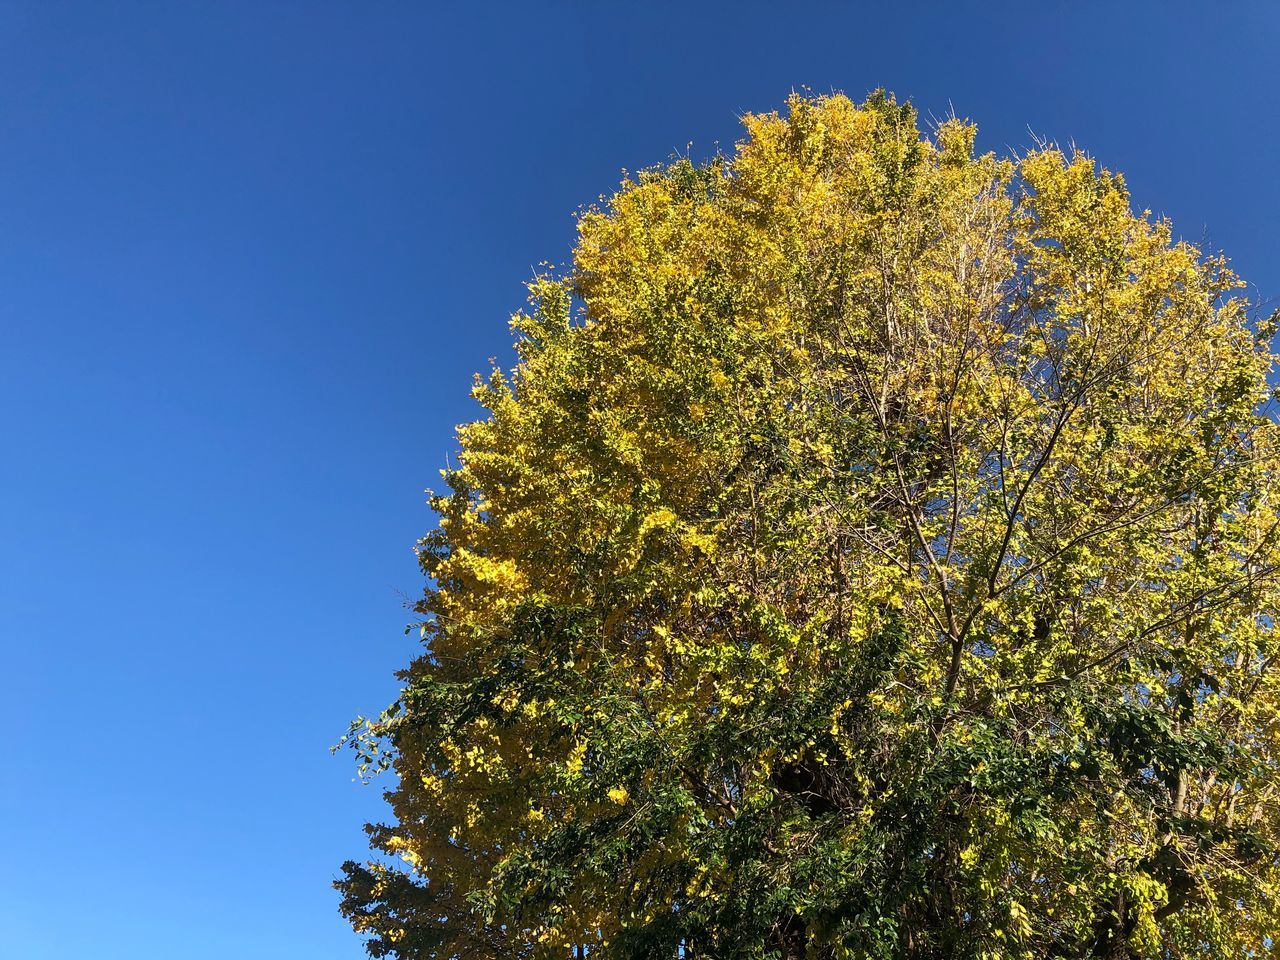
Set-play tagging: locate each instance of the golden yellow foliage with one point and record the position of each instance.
(873, 554)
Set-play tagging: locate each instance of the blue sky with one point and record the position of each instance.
(251, 254)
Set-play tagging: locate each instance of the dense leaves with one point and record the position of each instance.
(873, 555)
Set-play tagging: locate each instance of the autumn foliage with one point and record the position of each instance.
(872, 555)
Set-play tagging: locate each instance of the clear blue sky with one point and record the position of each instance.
(251, 253)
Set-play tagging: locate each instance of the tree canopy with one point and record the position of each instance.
(872, 555)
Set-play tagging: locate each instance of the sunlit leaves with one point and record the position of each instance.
(873, 554)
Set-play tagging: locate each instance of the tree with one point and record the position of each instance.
(873, 555)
